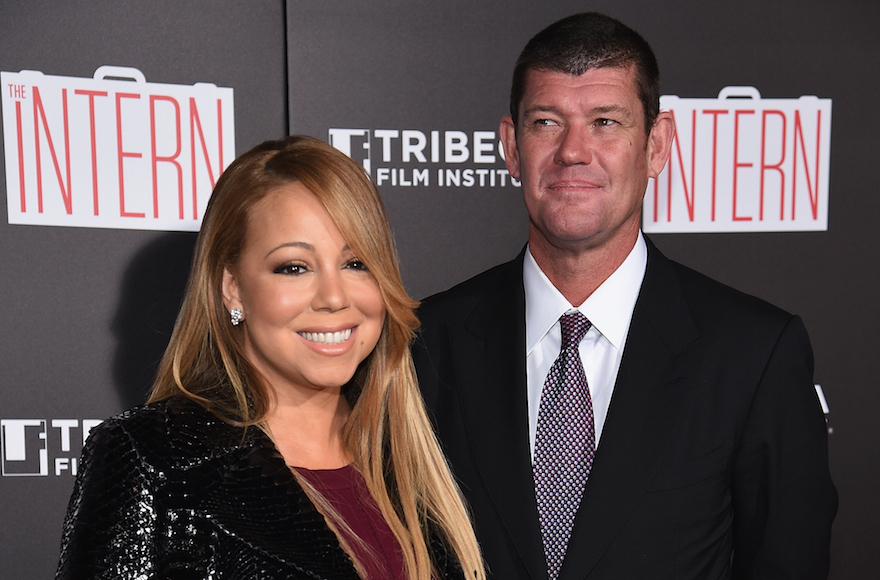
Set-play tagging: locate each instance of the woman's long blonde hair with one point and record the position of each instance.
(387, 434)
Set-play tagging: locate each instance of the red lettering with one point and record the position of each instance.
(121, 155)
(737, 164)
(40, 114)
(195, 122)
(714, 113)
(91, 95)
(20, 156)
(766, 166)
(688, 197)
(155, 158)
(17, 91)
(811, 190)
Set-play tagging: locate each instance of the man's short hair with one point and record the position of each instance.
(587, 41)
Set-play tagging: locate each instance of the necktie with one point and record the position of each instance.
(565, 443)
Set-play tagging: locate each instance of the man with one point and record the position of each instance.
(681, 436)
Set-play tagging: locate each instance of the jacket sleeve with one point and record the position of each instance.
(784, 499)
(110, 530)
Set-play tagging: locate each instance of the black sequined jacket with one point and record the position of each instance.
(167, 490)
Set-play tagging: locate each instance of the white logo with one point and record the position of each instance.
(740, 163)
(413, 158)
(25, 445)
(111, 153)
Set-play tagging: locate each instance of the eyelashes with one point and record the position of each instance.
(297, 268)
(290, 269)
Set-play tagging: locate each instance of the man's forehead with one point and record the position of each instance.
(625, 74)
(543, 86)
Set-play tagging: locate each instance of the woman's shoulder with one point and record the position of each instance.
(172, 430)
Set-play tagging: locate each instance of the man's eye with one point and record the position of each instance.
(292, 269)
(545, 122)
(605, 122)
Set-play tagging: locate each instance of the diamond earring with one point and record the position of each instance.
(236, 316)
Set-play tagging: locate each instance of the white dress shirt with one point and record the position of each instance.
(609, 309)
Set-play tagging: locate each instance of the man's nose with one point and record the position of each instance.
(575, 146)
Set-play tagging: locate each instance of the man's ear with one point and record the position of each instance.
(660, 142)
(230, 289)
(507, 134)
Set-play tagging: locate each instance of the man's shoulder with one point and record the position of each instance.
(709, 298)
(500, 278)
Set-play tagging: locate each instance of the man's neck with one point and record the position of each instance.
(577, 273)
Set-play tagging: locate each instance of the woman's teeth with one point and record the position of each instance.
(327, 337)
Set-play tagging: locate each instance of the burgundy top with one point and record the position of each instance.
(347, 492)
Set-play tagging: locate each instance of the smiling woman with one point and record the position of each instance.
(313, 310)
(285, 436)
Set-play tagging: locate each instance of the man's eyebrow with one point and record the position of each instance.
(611, 109)
(598, 110)
(533, 109)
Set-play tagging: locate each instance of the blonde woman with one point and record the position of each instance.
(285, 436)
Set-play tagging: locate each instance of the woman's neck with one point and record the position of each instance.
(308, 432)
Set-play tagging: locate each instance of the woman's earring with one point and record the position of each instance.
(236, 316)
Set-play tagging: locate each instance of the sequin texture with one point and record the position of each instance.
(167, 490)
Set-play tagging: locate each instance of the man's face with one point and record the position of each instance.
(584, 159)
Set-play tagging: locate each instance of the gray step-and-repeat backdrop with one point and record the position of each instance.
(118, 116)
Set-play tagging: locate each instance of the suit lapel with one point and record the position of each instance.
(494, 404)
(642, 417)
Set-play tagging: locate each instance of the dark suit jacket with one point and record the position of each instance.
(169, 491)
(713, 459)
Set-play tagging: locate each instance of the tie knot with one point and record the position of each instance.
(574, 326)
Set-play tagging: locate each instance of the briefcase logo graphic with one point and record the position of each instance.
(113, 151)
(741, 163)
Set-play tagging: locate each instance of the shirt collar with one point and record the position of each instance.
(609, 308)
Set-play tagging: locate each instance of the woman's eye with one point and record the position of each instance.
(292, 269)
(356, 265)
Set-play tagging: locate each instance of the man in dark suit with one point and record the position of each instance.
(701, 449)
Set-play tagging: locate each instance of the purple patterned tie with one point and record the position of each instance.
(565, 443)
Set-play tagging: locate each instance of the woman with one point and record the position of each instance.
(285, 435)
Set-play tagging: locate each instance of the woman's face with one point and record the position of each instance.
(312, 311)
